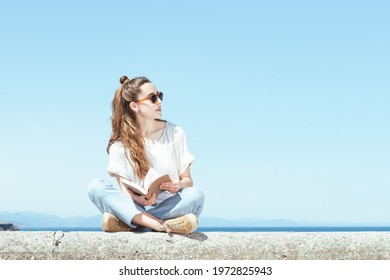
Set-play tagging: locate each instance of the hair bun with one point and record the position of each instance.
(123, 79)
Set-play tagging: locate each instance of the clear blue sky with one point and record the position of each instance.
(285, 103)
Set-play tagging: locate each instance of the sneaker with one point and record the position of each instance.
(113, 224)
(184, 224)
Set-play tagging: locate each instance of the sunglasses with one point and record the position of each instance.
(153, 97)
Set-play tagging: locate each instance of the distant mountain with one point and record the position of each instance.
(37, 220)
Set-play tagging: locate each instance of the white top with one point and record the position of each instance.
(169, 154)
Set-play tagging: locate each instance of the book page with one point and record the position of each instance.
(133, 186)
(155, 185)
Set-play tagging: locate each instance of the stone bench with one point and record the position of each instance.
(75, 245)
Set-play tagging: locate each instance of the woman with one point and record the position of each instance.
(141, 142)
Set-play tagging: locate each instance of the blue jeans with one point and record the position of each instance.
(110, 199)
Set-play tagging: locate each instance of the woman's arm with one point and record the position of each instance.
(185, 181)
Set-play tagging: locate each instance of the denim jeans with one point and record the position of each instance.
(110, 199)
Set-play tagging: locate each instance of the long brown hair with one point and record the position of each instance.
(124, 126)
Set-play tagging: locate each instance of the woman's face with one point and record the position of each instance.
(145, 105)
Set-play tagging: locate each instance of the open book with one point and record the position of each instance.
(151, 184)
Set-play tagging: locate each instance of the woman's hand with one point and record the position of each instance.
(174, 186)
(141, 200)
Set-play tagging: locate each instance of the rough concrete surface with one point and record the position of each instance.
(201, 246)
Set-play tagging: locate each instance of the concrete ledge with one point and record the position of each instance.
(200, 246)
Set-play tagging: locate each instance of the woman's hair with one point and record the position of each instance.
(124, 126)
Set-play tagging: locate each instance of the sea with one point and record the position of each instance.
(238, 229)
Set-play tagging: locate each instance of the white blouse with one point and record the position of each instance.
(169, 154)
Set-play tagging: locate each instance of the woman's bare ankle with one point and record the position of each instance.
(147, 220)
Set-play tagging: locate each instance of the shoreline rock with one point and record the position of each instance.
(4, 226)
